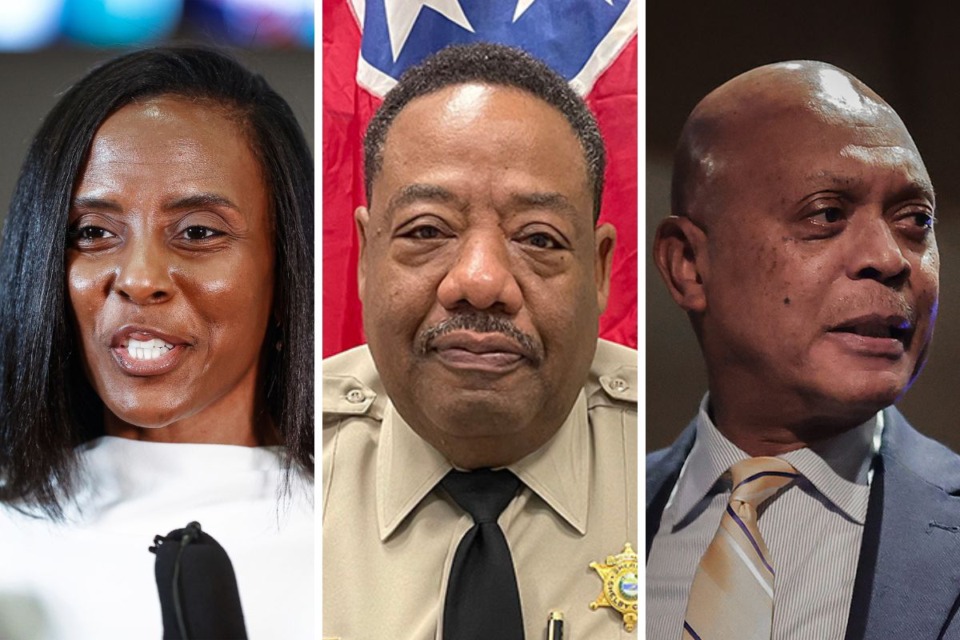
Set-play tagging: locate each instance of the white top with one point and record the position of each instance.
(813, 530)
(91, 576)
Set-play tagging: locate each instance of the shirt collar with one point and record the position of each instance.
(559, 471)
(838, 468)
(408, 468)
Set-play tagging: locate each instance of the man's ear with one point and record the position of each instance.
(605, 239)
(680, 253)
(361, 218)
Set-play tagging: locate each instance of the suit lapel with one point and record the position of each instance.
(908, 573)
(663, 468)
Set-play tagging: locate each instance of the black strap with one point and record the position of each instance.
(482, 601)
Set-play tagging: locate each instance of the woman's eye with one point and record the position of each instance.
(91, 232)
(200, 233)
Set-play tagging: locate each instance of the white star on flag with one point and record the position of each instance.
(523, 5)
(401, 14)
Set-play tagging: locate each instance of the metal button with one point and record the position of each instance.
(355, 396)
(619, 385)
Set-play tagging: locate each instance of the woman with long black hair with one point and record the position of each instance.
(156, 347)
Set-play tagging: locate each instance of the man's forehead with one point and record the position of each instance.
(787, 163)
(792, 106)
(834, 94)
(799, 134)
(463, 103)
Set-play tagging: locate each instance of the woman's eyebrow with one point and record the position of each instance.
(186, 202)
(200, 200)
(94, 202)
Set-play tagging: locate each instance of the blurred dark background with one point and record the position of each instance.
(908, 52)
(47, 45)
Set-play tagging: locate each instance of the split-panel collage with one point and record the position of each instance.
(413, 225)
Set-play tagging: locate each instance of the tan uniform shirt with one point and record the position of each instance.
(389, 533)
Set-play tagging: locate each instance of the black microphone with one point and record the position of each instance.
(197, 587)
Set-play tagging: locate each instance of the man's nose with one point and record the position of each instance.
(878, 255)
(143, 272)
(482, 275)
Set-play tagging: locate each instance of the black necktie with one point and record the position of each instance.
(482, 602)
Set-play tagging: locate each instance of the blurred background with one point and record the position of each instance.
(46, 45)
(907, 52)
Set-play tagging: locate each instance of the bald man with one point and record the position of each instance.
(799, 504)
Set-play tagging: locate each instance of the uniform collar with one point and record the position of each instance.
(408, 468)
(559, 471)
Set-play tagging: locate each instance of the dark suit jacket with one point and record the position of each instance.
(908, 575)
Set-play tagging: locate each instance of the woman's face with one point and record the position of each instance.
(169, 270)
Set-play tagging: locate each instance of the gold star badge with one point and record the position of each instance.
(619, 577)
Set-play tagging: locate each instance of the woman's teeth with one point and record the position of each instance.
(148, 350)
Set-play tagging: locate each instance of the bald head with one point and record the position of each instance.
(802, 247)
(739, 126)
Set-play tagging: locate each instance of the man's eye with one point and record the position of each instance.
(424, 233)
(828, 215)
(541, 241)
(922, 219)
(200, 233)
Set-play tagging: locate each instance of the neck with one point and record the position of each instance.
(249, 433)
(773, 429)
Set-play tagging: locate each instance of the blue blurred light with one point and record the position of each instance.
(306, 32)
(268, 22)
(120, 22)
(29, 25)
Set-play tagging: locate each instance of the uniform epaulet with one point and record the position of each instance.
(613, 376)
(351, 385)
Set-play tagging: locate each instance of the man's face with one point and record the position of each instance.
(822, 279)
(481, 274)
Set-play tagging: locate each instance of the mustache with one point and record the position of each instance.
(480, 323)
(881, 303)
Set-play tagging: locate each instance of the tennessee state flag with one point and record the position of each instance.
(368, 44)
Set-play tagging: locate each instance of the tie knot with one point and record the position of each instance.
(757, 479)
(483, 493)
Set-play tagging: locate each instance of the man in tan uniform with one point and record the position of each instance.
(483, 274)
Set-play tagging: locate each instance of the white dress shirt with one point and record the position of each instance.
(813, 530)
(92, 577)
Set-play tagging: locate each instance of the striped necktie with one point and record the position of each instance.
(732, 592)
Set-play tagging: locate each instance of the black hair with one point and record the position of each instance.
(47, 406)
(493, 64)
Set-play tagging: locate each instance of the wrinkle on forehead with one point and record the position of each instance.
(876, 154)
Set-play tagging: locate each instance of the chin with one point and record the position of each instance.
(864, 395)
(144, 416)
(473, 419)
